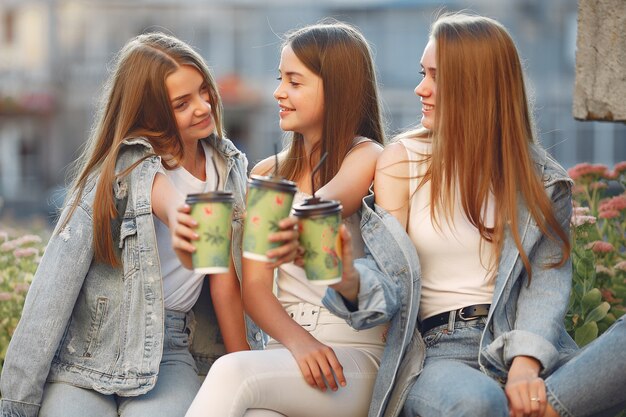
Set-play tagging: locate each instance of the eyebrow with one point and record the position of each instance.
(180, 97)
(291, 73)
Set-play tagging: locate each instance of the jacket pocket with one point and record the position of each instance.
(128, 244)
(93, 336)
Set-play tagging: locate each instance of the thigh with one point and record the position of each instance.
(272, 380)
(602, 362)
(65, 400)
(452, 388)
(175, 389)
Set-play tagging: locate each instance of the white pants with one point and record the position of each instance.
(269, 382)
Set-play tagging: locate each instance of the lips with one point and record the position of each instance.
(203, 123)
(427, 107)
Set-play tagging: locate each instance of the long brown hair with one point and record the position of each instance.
(135, 103)
(482, 133)
(340, 55)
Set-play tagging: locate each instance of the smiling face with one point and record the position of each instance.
(190, 100)
(300, 97)
(427, 88)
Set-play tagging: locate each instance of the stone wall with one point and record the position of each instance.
(600, 87)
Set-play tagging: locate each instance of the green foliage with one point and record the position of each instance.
(598, 252)
(19, 257)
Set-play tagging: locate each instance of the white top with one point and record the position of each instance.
(292, 284)
(182, 286)
(455, 266)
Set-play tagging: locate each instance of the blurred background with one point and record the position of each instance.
(54, 57)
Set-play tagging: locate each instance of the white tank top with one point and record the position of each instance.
(292, 284)
(181, 286)
(455, 266)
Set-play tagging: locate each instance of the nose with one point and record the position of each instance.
(423, 89)
(279, 92)
(201, 107)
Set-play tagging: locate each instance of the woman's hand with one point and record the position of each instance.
(348, 287)
(318, 363)
(524, 389)
(182, 227)
(288, 235)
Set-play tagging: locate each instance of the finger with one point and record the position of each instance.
(288, 223)
(182, 245)
(306, 373)
(283, 254)
(540, 388)
(516, 402)
(183, 232)
(187, 220)
(328, 373)
(346, 250)
(337, 368)
(283, 236)
(317, 374)
(185, 208)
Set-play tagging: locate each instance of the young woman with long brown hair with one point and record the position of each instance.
(327, 96)
(107, 322)
(469, 241)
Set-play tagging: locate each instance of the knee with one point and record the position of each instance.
(229, 367)
(488, 402)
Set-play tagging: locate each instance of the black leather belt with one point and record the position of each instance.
(464, 314)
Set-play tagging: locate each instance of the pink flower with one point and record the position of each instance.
(9, 246)
(25, 252)
(616, 203)
(4, 236)
(601, 269)
(579, 220)
(581, 211)
(621, 266)
(620, 167)
(5, 296)
(600, 246)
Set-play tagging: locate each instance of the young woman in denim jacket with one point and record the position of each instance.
(107, 323)
(468, 241)
(314, 363)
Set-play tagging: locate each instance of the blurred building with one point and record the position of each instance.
(54, 56)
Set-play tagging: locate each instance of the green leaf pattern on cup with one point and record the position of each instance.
(214, 236)
(319, 237)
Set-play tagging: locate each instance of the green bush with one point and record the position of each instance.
(19, 257)
(599, 250)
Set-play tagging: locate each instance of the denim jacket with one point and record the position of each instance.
(523, 320)
(98, 327)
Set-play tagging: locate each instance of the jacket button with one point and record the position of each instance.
(258, 336)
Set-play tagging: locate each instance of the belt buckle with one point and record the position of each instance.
(307, 316)
(462, 317)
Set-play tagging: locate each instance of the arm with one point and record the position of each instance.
(315, 360)
(391, 183)
(541, 307)
(226, 298)
(354, 178)
(47, 310)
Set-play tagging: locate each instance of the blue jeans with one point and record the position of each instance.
(593, 382)
(451, 383)
(174, 391)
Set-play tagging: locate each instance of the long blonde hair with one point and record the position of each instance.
(482, 133)
(340, 55)
(135, 104)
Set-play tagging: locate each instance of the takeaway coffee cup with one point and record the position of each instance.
(268, 201)
(214, 212)
(319, 222)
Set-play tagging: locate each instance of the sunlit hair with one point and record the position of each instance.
(339, 54)
(482, 132)
(135, 103)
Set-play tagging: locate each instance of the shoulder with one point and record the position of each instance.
(265, 166)
(393, 154)
(365, 147)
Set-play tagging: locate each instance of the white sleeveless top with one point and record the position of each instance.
(292, 284)
(182, 286)
(455, 267)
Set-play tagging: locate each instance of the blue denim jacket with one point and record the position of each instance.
(99, 327)
(524, 319)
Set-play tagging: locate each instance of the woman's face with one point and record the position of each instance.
(300, 96)
(189, 95)
(427, 88)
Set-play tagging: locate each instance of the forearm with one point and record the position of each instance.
(228, 306)
(264, 308)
